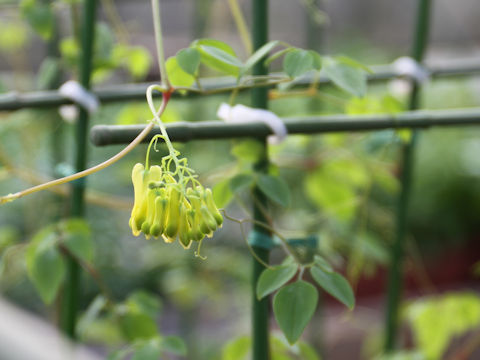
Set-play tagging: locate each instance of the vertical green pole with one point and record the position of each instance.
(314, 31)
(72, 284)
(397, 252)
(260, 309)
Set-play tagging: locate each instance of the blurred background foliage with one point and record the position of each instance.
(343, 186)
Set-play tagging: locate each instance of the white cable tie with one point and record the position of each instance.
(244, 114)
(409, 67)
(79, 95)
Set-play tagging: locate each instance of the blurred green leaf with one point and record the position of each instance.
(237, 349)
(353, 63)
(76, 237)
(218, 55)
(9, 235)
(275, 188)
(174, 345)
(134, 113)
(241, 181)
(148, 350)
(222, 194)
(48, 73)
(137, 326)
(136, 59)
(69, 49)
(176, 75)
(45, 265)
(248, 150)
(259, 55)
(141, 301)
(436, 321)
(13, 36)
(322, 263)
(334, 197)
(189, 60)
(317, 60)
(294, 306)
(91, 314)
(346, 77)
(334, 284)
(40, 16)
(273, 278)
(298, 62)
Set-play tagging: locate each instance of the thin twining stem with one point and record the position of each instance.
(94, 169)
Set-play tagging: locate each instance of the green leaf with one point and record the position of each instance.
(273, 278)
(143, 302)
(45, 265)
(148, 350)
(353, 63)
(14, 36)
(346, 77)
(298, 62)
(69, 49)
(321, 262)
(237, 349)
(9, 235)
(277, 55)
(174, 345)
(241, 181)
(136, 59)
(189, 60)
(248, 150)
(334, 284)
(214, 43)
(317, 60)
(48, 73)
(137, 326)
(176, 75)
(275, 188)
(222, 58)
(76, 237)
(436, 321)
(333, 196)
(259, 55)
(222, 194)
(40, 17)
(91, 314)
(294, 306)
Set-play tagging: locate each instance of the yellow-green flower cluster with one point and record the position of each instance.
(163, 207)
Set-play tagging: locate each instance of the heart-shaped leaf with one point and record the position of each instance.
(294, 306)
(334, 284)
(275, 188)
(347, 77)
(298, 62)
(273, 278)
(189, 60)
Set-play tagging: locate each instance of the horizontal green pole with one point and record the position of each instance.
(129, 92)
(102, 135)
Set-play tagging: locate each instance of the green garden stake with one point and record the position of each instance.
(397, 252)
(260, 309)
(71, 292)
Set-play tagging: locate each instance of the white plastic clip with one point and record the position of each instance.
(244, 114)
(409, 67)
(78, 94)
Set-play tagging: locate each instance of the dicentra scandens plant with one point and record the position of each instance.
(169, 201)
